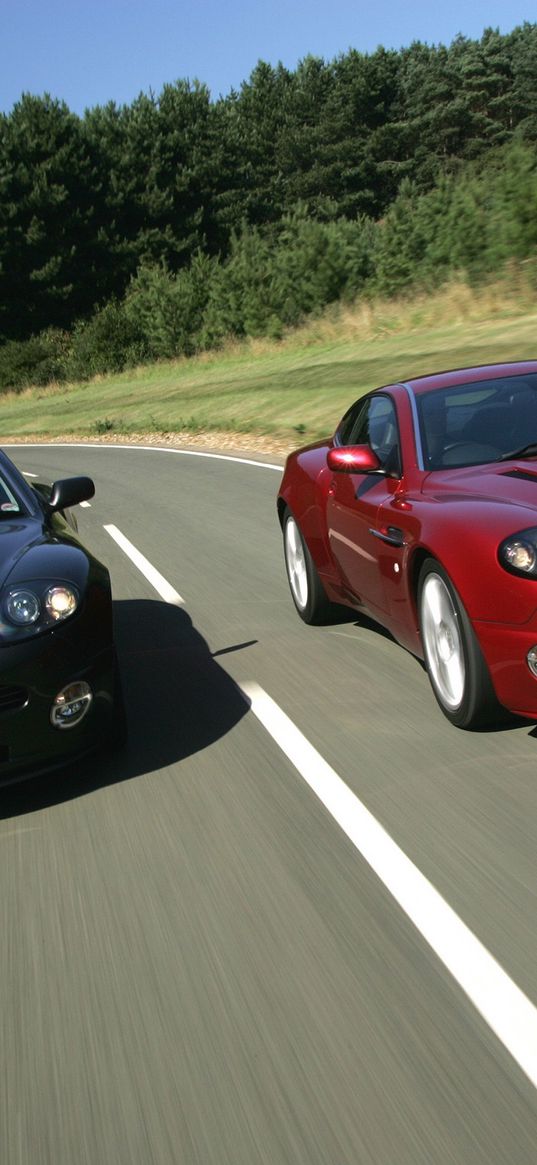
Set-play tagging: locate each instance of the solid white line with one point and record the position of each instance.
(157, 580)
(145, 448)
(502, 1004)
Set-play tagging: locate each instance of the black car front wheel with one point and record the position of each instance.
(457, 671)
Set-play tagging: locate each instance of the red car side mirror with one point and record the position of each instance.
(353, 459)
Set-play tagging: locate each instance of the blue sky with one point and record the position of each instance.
(88, 52)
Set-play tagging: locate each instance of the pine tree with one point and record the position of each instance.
(50, 252)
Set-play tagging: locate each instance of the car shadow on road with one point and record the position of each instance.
(178, 701)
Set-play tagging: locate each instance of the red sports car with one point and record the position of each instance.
(421, 511)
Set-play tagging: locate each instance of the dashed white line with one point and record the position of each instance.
(157, 580)
(504, 1007)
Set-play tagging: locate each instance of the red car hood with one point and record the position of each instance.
(511, 483)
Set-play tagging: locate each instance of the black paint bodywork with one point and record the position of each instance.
(41, 542)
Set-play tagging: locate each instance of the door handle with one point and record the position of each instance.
(392, 535)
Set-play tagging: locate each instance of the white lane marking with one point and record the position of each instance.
(157, 580)
(86, 505)
(146, 449)
(26, 474)
(502, 1004)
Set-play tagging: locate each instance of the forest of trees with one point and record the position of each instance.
(142, 232)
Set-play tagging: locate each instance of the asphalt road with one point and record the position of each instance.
(197, 964)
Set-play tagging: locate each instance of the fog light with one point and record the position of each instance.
(71, 704)
(532, 659)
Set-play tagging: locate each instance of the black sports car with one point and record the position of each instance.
(60, 693)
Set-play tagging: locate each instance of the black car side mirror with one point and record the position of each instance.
(70, 492)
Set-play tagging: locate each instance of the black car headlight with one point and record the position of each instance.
(33, 607)
(518, 553)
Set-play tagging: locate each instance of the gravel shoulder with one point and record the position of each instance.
(234, 444)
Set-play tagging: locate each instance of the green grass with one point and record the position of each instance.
(294, 390)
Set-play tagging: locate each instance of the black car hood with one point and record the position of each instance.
(28, 550)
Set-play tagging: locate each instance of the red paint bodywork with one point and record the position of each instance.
(459, 516)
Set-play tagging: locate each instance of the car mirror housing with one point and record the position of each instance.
(353, 459)
(70, 492)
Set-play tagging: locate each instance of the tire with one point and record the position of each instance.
(306, 587)
(457, 671)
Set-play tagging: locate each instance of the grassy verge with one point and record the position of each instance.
(292, 391)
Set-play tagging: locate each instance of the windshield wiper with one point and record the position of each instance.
(526, 451)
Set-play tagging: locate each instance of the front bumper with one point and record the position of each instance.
(31, 675)
(505, 648)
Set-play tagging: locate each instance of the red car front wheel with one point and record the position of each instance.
(453, 658)
(306, 587)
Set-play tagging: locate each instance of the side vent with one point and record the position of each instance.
(521, 475)
(12, 699)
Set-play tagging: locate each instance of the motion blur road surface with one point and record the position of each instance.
(197, 965)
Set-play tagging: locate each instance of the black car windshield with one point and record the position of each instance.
(470, 424)
(9, 504)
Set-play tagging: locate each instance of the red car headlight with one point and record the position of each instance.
(518, 553)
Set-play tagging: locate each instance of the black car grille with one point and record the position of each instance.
(12, 698)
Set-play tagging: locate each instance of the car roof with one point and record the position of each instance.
(457, 376)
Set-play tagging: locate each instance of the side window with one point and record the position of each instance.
(8, 502)
(354, 429)
(373, 422)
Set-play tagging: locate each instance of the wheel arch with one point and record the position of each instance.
(466, 693)
(420, 555)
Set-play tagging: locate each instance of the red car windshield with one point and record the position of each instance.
(470, 424)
